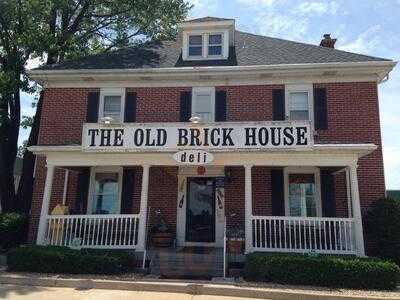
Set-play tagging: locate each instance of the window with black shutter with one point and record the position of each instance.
(220, 106)
(185, 106)
(278, 105)
(277, 192)
(92, 111)
(130, 107)
(320, 109)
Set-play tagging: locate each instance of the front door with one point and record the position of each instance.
(200, 210)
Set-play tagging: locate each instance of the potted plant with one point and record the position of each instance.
(161, 236)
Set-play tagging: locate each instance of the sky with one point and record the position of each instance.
(363, 26)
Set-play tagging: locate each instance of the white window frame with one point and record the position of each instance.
(303, 88)
(112, 92)
(202, 90)
(205, 35)
(303, 170)
(92, 185)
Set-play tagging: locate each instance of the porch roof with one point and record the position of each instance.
(318, 155)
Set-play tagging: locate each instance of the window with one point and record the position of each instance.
(299, 106)
(112, 104)
(302, 192)
(105, 195)
(203, 103)
(205, 45)
(195, 45)
(215, 44)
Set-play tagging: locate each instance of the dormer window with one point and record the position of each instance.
(199, 45)
(215, 44)
(196, 45)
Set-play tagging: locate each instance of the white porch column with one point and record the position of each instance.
(248, 208)
(355, 200)
(143, 209)
(45, 205)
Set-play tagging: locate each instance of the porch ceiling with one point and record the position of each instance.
(318, 155)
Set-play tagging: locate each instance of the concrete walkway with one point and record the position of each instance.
(19, 292)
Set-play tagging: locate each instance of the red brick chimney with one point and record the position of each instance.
(327, 41)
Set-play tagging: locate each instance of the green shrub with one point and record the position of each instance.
(12, 230)
(52, 259)
(330, 271)
(383, 228)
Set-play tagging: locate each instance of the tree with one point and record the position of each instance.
(58, 30)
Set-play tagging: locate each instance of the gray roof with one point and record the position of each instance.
(207, 19)
(249, 49)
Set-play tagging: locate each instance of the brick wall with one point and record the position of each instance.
(353, 118)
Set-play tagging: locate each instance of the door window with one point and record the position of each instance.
(105, 196)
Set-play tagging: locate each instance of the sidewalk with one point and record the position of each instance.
(22, 281)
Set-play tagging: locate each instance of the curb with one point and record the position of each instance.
(176, 287)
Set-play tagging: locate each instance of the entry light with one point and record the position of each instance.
(107, 120)
(196, 120)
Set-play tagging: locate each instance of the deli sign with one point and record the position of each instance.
(172, 137)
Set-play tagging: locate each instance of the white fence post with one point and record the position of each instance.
(45, 205)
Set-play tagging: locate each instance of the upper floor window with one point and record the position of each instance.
(215, 44)
(195, 45)
(112, 104)
(205, 45)
(299, 102)
(203, 103)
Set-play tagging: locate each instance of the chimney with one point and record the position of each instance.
(327, 41)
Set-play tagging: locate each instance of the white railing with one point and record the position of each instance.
(293, 234)
(92, 231)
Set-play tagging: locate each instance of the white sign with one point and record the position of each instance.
(193, 157)
(225, 136)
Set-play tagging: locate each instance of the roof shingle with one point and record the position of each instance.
(250, 49)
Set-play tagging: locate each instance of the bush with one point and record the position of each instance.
(329, 271)
(50, 259)
(12, 230)
(383, 228)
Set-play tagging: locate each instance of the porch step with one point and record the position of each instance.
(187, 262)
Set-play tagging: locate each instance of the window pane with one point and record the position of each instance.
(299, 101)
(195, 40)
(203, 107)
(214, 50)
(112, 107)
(302, 200)
(105, 198)
(215, 39)
(299, 115)
(195, 51)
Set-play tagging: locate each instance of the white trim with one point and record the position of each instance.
(306, 88)
(196, 91)
(112, 92)
(303, 170)
(103, 169)
(44, 212)
(65, 190)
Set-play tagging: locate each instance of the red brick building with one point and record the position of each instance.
(278, 140)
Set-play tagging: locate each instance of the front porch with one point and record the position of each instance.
(246, 199)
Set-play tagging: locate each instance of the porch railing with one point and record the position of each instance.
(294, 234)
(93, 231)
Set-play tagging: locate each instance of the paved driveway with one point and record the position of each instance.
(19, 292)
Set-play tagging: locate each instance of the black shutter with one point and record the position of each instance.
(127, 191)
(220, 106)
(82, 191)
(328, 193)
(278, 105)
(92, 111)
(186, 106)
(320, 109)
(277, 192)
(130, 107)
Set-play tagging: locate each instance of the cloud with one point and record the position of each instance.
(366, 42)
(202, 8)
(319, 8)
(391, 159)
(258, 3)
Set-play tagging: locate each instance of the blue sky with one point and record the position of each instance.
(368, 27)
